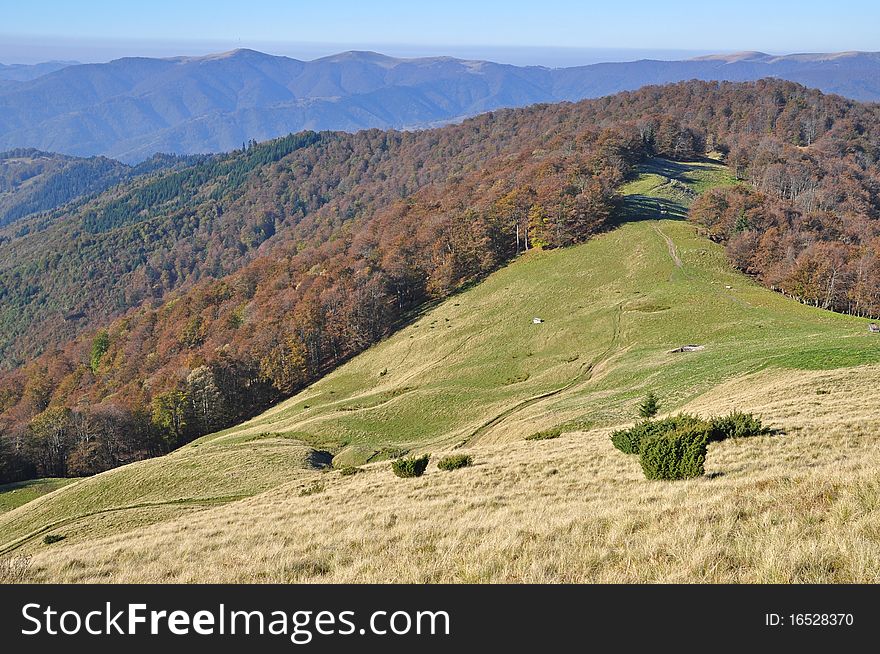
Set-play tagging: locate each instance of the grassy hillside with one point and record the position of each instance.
(477, 369)
(155, 490)
(249, 504)
(796, 508)
(14, 495)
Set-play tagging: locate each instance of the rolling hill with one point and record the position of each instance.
(475, 373)
(130, 108)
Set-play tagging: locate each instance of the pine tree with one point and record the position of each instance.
(99, 348)
(649, 406)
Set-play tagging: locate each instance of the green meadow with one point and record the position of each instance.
(14, 495)
(477, 368)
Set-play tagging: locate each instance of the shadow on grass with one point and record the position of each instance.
(673, 169)
(666, 201)
(642, 207)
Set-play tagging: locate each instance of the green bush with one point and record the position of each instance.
(677, 454)
(455, 461)
(347, 471)
(312, 489)
(52, 538)
(553, 432)
(737, 424)
(629, 440)
(411, 466)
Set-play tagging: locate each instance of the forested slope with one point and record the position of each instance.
(32, 181)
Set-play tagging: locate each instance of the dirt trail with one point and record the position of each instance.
(673, 252)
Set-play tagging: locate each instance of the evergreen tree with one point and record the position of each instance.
(99, 348)
(649, 406)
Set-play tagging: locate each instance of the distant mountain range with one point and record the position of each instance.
(27, 72)
(130, 108)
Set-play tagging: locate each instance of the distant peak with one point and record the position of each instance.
(804, 57)
(827, 56)
(238, 53)
(359, 55)
(749, 55)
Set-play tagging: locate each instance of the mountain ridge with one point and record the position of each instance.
(132, 107)
(26, 72)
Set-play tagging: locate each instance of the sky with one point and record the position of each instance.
(545, 32)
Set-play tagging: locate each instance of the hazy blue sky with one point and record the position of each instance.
(550, 32)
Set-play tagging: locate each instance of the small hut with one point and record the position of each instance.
(874, 328)
(537, 321)
(688, 348)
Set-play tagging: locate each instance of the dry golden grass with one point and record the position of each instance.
(797, 508)
(155, 490)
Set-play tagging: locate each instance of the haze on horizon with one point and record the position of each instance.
(556, 34)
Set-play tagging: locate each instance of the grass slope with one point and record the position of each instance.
(799, 508)
(248, 504)
(476, 369)
(143, 493)
(14, 495)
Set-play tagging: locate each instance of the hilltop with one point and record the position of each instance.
(475, 373)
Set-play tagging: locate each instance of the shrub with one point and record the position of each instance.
(737, 424)
(629, 440)
(455, 461)
(52, 538)
(649, 406)
(389, 453)
(678, 454)
(546, 434)
(347, 471)
(312, 489)
(411, 466)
